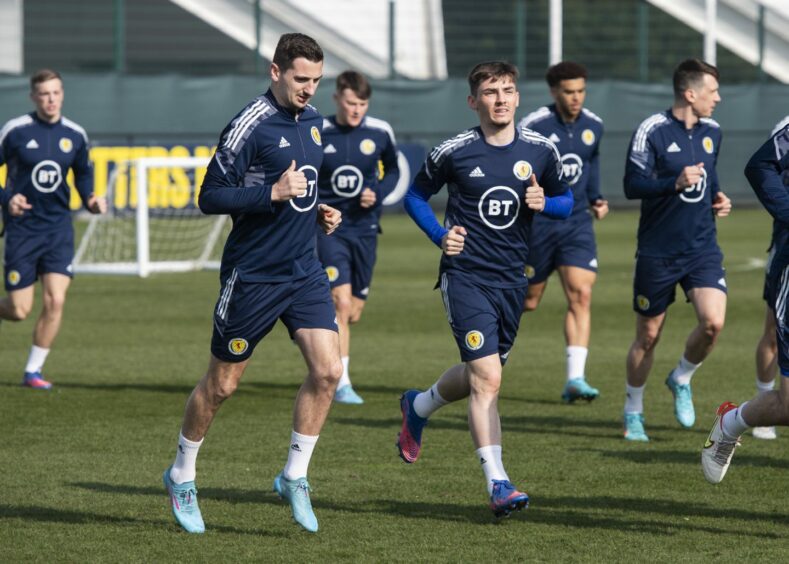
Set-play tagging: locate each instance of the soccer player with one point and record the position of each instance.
(671, 169)
(767, 348)
(264, 174)
(569, 246)
(766, 172)
(497, 177)
(353, 145)
(39, 148)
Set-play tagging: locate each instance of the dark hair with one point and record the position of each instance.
(689, 74)
(43, 75)
(356, 83)
(490, 69)
(566, 70)
(291, 46)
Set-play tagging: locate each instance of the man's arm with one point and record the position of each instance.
(639, 181)
(429, 180)
(223, 190)
(593, 185)
(558, 195)
(83, 179)
(765, 171)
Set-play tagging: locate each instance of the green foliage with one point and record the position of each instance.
(82, 464)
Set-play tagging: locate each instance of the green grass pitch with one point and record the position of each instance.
(82, 464)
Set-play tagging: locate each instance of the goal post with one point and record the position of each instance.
(153, 223)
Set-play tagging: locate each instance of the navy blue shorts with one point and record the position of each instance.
(655, 279)
(778, 287)
(555, 243)
(348, 260)
(27, 256)
(247, 311)
(484, 320)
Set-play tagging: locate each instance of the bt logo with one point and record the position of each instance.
(572, 168)
(307, 200)
(347, 181)
(499, 207)
(695, 193)
(46, 176)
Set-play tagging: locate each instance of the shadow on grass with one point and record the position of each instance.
(602, 512)
(692, 456)
(181, 389)
(52, 515)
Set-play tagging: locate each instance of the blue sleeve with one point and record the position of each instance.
(4, 196)
(765, 171)
(712, 175)
(83, 172)
(223, 190)
(593, 186)
(559, 207)
(429, 180)
(391, 171)
(640, 182)
(420, 211)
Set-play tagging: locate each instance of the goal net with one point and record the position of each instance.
(153, 223)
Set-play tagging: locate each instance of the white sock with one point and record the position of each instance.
(345, 379)
(683, 372)
(35, 362)
(634, 398)
(733, 424)
(576, 362)
(764, 387)
(490, 459)
(301, 447)
(427, 402)
(183, 469)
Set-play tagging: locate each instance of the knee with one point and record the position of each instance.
(486, 383)
(531, 303)
(221, 388)
(54, 303)
(344, 308)
(712, 328)
(648, 340)
(356, 315)
(581, 298)
(328, 375)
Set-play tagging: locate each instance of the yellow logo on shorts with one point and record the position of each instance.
(333, 273)
(588, 136)
(238, 346)
(529, 271)
(316, 135)
(643, 302)
(367, 146)
(65, 144)
(474, 340)
(14, 277)
(707, 144)
(522, 170)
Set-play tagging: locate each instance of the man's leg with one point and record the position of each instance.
(18, 304)
(219, 382)
(321, 351)
(54, 288)
(534, 295)
(348, 313)
(766, 367)
(710, 307)
(577, 283)
(639, 363)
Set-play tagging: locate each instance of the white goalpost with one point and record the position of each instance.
(156, 227)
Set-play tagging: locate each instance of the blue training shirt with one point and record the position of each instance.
(578, 143)
(270, 241)
(672, 223)
(38, 156)
(487, 186)
(351, 157)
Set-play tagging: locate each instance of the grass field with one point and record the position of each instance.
(82, 464)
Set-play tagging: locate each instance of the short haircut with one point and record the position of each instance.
(291, 46)
(689, 74)
(356, 82)
(566, 70)
(43, 75)
(490, 69)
